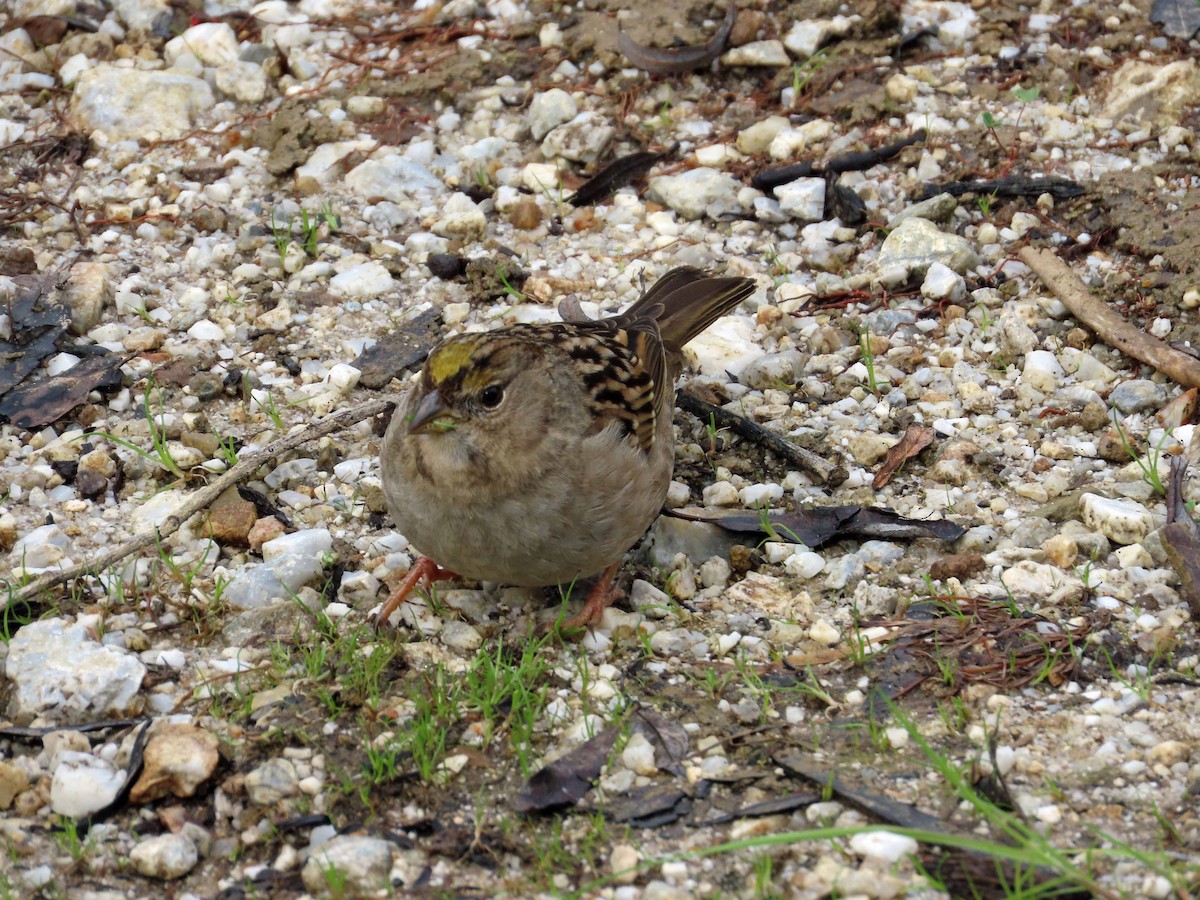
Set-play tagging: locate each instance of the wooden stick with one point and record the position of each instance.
(1110, 327)
(828, 473)
(203, 498)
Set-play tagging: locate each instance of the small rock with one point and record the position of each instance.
(271, 782)
(213, 43)
(1061, 550)
(807, 36)
(178, 759)
(638, 755)
(526, 215)
(757, 138)
(13, 780)
(1168, 753)
(128, 104)
(622, 862)
(883, 845)
(824, 632)
(230, 523)
(758, 53)
(83, 783)
(583, 139)
(773, 370)
(40, 548)
(936, 209)
(1138, 395)
(720, 493)
(393, 178)
(698, 192)
(460, 218)
(1042, 371)
(367, 279)
(461, 636)
(943, 283)
(1151, 92)
(164, 856)
(917, 243)
(649, 600)
(245, 82)
(548, 110)
(715, 572)
(804, 564)
(1121, 521)
(361, 864)
(957, 565)
(803, 199)
(17, 261)
(60, 668)
(265, 529)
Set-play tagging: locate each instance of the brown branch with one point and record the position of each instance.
(828, 473)
(1109, 327)
(202, 498)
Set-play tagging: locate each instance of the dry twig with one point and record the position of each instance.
(1109, 327)
(202, 498)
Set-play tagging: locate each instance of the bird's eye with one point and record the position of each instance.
(492, 396)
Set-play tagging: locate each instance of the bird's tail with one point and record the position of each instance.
(687, 300)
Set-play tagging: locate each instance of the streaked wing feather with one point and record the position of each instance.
(623, 359)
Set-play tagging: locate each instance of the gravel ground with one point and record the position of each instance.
(225, 222)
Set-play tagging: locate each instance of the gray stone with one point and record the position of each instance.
(134, 103)
(276, 579)
(271, 782)
(164, 856)
(582, 139)
(461, 636)
(82, 784)
(803, 199)
(245, 82)
(548, 110)
(59, 671)
(141, 14)
(392, 178)
(699, 192)
(1138, 395)
(40, 548)
(1030, 533)
(917, 243)
(758, 53)
(772, 370)
(1121, 521)
(696, 540)
(935, 209)
(213, 43)
(362, 864)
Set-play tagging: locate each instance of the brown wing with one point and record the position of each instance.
(623, 370)
(623, 359)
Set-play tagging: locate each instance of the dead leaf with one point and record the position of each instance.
(563, 782)
(915, 439)
(820, 525)
(649, 806)
(52, 398)
(670, 739)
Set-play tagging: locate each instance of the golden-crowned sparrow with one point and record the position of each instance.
(534, 455)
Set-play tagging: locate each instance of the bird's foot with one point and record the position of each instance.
(424, 571)
(600, 599)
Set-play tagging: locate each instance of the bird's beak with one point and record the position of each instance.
(431, 415)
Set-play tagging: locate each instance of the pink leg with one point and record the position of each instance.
(423, 570)
(600, 599)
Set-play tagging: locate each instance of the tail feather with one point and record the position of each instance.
(687, 300)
